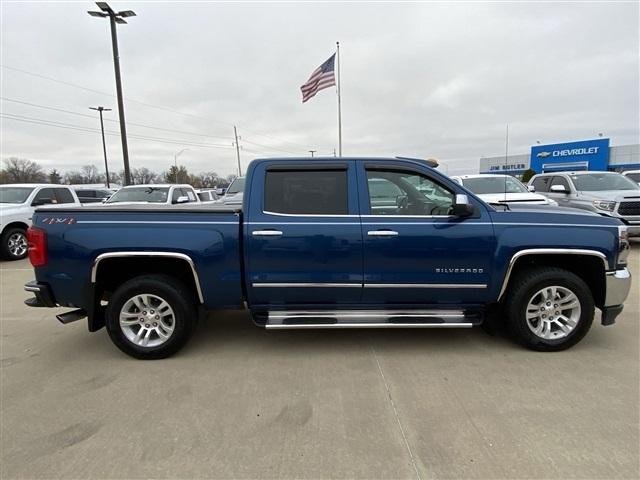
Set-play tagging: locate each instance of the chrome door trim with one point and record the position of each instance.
(425, 285)
(179, 256)
(364, 314)
(266, 233)
(548, 251)
(313, 215)
(382, 233)
(306, 285)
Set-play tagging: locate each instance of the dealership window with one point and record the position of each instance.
(308, 192)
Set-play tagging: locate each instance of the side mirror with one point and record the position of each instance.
(182, 199)
(558, 189)
(531, 188)
(462, 207)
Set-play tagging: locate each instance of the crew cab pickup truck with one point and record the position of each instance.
(307, 250)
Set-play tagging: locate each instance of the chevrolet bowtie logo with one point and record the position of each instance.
(543, 154)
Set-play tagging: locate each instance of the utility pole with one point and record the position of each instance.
(312, 152)
(104, 145)
(114, 18)
(235, 133)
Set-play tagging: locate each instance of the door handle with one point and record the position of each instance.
(382, 233)
(266, 233)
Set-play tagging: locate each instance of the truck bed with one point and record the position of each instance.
(78, 237)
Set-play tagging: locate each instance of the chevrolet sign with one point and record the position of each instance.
(590, 154)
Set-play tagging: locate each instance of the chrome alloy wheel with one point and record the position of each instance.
(553, 312)
(17, 244)
(147, 320)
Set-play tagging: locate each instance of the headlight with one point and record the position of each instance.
(605, 205)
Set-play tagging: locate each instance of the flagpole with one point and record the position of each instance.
(339, 102)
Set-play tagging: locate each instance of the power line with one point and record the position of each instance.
(69, 126)
(26, 72)
(111, 120)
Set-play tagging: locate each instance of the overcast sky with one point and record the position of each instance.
(418, 79)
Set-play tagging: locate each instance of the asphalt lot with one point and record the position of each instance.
(240, 402)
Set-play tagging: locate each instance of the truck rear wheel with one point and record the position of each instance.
(14, 244)
(549, 309)
(151, 316)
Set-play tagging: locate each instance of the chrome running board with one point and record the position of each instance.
(292, 319)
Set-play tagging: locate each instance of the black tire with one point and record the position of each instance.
(525, 285)
(8, 235)
(180, 299)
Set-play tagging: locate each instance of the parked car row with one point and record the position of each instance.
(18, 202)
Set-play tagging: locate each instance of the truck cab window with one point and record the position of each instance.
(320, 192)
(541, 184)
(393, 192)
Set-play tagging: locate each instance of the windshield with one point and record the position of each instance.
(634, 176)
(236, 186)
(141, 194)
(596, 182)
(14, 194)
(506, 184)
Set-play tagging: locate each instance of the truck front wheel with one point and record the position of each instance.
(151, 316)
(549, 309)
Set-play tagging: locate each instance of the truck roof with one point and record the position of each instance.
(147, 207)
(430, 162)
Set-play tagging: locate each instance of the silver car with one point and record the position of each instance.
(607, 193)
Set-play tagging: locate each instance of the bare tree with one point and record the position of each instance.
(208, 179)
(91, 174)
(22, 170)
(54, 176)
(143, 176)
(176, 175)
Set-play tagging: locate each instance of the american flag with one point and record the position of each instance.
(322, 77)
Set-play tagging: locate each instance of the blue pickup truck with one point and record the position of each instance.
(331, 243)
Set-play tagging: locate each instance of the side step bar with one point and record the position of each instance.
(372, 319)
(71, 316)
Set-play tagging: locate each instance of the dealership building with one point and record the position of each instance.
(595, 155)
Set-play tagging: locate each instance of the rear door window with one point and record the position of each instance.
(306, 192)
(63, 195)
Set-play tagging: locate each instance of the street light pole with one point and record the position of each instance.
(104, 145)
(175, 162)
(114, 18)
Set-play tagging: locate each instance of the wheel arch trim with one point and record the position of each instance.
(548, 251)
(179, 256)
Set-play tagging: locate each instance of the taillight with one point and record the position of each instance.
(37, 241)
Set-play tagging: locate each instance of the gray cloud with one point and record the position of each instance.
(433, 79)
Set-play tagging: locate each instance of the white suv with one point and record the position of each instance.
(168, 194)
(17, 204)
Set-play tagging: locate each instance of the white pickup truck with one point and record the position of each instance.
(17, 203)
